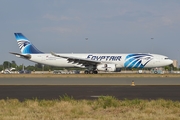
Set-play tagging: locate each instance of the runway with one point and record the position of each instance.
(24, 92)
(90, 81)
(90, 88)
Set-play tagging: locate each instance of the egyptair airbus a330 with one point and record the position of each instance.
(92, 62)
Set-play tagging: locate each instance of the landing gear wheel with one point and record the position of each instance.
(91, 72)
(95, 72)
(86, 72)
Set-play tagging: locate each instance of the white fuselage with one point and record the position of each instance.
(93, 62)
(120, 60)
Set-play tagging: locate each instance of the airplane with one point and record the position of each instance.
(92, 62)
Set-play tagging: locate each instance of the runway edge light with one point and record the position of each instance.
(132, 84)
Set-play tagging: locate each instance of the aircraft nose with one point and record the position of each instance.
(170, 61)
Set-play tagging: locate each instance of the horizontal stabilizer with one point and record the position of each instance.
(21, 55)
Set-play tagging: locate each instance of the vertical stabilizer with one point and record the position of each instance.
(25, 45)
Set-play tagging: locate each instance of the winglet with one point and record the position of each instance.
(56, 55)
(52, 53)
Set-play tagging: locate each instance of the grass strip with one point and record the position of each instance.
(102, 108)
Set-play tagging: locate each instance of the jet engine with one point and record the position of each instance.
(106, 67)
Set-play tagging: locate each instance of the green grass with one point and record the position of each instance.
(103, 108)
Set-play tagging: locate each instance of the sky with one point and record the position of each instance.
(91, 26)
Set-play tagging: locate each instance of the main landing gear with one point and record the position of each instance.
(90, 72)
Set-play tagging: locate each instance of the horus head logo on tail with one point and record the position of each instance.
(137, 60)
(25, 45)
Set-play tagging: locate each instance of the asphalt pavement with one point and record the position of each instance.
(90, 88)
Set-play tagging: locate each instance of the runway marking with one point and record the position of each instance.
(95, 96)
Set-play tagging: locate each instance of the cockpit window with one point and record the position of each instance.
(166, 58)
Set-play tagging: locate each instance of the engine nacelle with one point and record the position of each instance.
(106, 67)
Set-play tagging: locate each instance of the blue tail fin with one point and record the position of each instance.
(25, 45)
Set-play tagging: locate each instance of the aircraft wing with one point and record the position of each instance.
(27, 56)
(76, 60)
